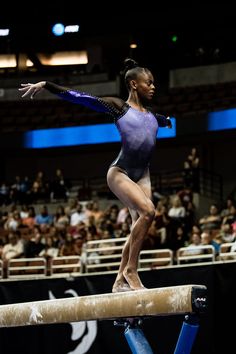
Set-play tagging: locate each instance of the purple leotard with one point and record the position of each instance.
(137, 129)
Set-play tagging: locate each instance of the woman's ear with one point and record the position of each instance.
(133, 84)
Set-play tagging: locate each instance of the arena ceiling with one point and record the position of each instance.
(204, 34)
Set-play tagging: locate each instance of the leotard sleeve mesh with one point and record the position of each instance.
(111, 105)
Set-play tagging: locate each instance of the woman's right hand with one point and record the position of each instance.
(32, 89)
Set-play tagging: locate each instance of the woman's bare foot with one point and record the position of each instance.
(120, 286)
(133, 279)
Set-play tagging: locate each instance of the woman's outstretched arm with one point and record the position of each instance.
(110, 105)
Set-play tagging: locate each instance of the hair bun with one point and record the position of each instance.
(129, 64)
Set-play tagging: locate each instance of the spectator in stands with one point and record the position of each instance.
(185, 195)
(162, 222)
(177, 239)
(77, 215)
(40, 189)
(193, 251)
(227, 207)
(226, 233)
(95, 210)
(122, 215)
(193, 158)
(30, 219)
(231, 217)
(34, 245)
(13, 221)
(196, 229)
(194, 247)
(71, 206)
(15, 190)
(124, 230)
(25, 190)
(60, 219)
(4, 194)
(177, 211)
(49, 251)
(68, 247)
(60, 186)
(44, 217)
(91, 226)
(212, 221)
(190, 217)
(207, 239)
(191, 170)
(128, 176)
(14, 247)
(188, 175)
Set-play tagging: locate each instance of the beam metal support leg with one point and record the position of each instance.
(187, 335)
(135, 336)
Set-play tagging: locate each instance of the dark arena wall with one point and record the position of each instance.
(94, 337)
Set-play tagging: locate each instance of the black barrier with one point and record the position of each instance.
(215, 334)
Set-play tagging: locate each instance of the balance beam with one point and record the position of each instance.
(140, 303)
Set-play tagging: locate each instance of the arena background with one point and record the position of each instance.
(206, 37)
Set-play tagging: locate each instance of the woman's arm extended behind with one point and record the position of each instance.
(111, 105)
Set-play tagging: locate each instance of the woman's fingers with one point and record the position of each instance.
(28, 89)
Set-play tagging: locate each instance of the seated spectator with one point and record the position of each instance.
(212, 221)
(226, 234)
(194, 247)
(14, 247)
(207, 239)
(40, 188)
(231, 217)
(162, 222)
(49, 251)
(123, 231)
(77, 215)
(13, 221)
(177, 238)
(30, 219)
(60, 219)
(122, 215)
(186, 196)
(177, 211)
(43, 217)
(96, 211)
(34, 245)
(226, 211)
(68, 247)
(24, 212)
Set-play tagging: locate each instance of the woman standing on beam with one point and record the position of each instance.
(128, 176)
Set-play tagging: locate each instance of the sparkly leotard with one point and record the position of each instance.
(137, 129)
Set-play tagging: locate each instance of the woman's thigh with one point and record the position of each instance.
(136, 196)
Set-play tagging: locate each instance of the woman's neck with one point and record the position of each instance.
(134, 102)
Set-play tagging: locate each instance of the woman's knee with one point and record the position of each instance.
(149, 212)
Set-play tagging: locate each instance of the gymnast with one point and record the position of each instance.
(128, 175)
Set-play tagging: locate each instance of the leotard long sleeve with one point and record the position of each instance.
(138, 130)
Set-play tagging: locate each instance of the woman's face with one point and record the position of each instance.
(145, 85)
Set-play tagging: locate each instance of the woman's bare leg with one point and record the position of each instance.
(135, 197)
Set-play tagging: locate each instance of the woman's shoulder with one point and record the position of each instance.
(116, 102)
